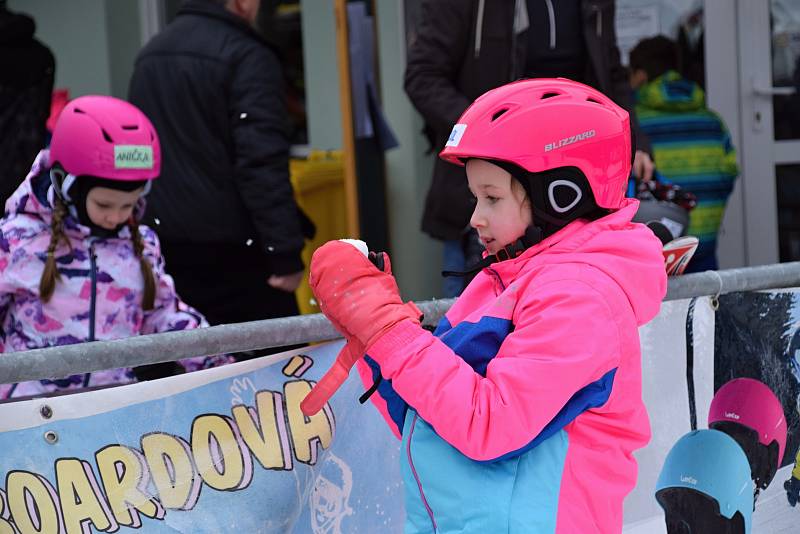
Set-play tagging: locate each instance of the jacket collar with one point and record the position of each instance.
(567, 239)
(217, 11)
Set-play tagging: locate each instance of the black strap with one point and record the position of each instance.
(533, 235)
(690, 364)
(372, 389)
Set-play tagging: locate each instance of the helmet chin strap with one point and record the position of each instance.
(533, 235)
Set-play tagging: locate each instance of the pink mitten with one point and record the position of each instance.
(356, 295)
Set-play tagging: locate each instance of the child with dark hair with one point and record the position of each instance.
(691, 145)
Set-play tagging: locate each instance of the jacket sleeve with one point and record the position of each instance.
(434, 59)
(559, 361)
(261, 157)
(169, 313)
(6, 290)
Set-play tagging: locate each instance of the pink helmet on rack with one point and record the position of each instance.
(548, 124)
(105, 137)
(749, 412)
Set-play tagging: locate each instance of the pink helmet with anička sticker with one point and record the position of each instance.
(105, 137)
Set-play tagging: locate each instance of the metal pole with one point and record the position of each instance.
(59, 362)
(62, 361)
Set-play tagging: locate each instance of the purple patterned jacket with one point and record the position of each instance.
(97, 298)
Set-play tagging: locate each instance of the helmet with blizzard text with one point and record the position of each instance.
(748, 411)
(567, 143)
(704, 485)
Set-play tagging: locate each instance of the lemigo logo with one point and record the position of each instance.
(569, 140)
(689, 480)
(133, 157)
(456, 135)
(732, 415)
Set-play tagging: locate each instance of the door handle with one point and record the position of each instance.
(770, 91)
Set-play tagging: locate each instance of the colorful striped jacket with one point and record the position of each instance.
(692, 149)
(521, 412)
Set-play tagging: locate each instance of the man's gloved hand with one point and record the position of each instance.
(355, 295)
(792, 487)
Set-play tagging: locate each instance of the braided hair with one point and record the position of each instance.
(50, 274)
(149, 297)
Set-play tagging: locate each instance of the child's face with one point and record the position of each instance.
(109, 208)
(502, 211)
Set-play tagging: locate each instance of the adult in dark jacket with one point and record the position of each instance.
(224, 208)
(27, 69)
(463, 48)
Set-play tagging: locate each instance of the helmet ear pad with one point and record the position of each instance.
(763, 458)
(689, 511)
(558, 196)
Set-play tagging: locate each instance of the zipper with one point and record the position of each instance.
(551, 13)
(93, 296)
(598, 21)
(416, 477)
(479, 29)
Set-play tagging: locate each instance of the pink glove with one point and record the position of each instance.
(354, 349)
(356, 295)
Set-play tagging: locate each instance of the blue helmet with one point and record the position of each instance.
(705, 485)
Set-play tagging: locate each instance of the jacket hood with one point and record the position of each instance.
(31, 197)
(35, 197)
(15, 27)
(671, 92)
(627, 252)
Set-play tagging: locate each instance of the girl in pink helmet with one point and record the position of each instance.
(522, 411)
(75, 265)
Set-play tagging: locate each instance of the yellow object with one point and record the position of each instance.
(318, 183)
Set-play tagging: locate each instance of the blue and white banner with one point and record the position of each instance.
(222, 450)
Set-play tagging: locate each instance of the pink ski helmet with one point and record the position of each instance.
(105, 137)
(749, 412)
(544, 124)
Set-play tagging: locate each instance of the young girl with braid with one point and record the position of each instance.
(75, 265)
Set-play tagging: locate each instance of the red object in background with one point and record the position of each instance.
(57, 103)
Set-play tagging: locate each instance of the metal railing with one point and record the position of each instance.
(170, 346)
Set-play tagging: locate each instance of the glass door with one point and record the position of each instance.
(769, 52)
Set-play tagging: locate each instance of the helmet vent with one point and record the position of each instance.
(498, 114)
(590, 99)
(78, 110)
(130, 126)
(106, 136)
(550, 95)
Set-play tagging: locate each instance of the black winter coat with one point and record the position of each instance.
(451, 63)
(27, 69)
(214, 91)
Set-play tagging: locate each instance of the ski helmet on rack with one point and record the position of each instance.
(568, 144)
(749, 412)
(705, 486)
(105, 138)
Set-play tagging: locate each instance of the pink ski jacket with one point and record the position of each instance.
(98, 297)
(521, 412)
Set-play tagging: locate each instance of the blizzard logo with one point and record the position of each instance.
(133, 157)
(689, 480)
(569, 140)
(731, 415)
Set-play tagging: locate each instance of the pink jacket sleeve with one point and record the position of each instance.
(566, 338)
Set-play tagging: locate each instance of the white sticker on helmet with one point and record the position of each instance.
(133, 157)
(456, 135)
